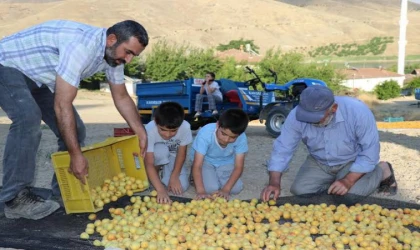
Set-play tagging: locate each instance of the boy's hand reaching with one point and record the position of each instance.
(175, 186)
(201, 196)
(163, 197)
(221, 193)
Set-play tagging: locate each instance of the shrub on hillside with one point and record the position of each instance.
(375, 46)
(236, 44)
(387, 90)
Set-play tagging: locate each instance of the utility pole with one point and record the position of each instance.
(402, 42)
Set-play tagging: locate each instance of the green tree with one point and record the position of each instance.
(135, 68)
(232, 70)
(200, 61)
(93, 82)
(286, 65)
(387, 90)
(291, 65)
(166, 62)
(236, 44)
(170, 61)
(132, 69)
(326, 73)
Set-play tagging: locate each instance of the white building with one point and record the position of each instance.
(367, 78)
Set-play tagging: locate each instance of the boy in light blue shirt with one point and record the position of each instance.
(218, 153)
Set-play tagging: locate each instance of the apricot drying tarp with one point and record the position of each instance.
(62, 231)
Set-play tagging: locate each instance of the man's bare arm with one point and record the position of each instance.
(65, 94)
(128, 110)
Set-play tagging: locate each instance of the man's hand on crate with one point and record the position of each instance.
(143, 142)
(79, 167)
(175, 185)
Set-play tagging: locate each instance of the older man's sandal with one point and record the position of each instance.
(387, 186)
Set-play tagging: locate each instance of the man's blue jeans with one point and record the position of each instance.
(26, 105)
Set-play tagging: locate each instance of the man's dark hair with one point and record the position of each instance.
(236, 120)
(211, 74)
(126, 29)
(169, 115)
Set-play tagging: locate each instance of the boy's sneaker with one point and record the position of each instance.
(214, 112)
(197, 114)
(29, 206)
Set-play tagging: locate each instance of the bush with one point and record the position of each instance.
(169, 61)
(93, 82)
(410, 67)
(231, 70)
(135, 68)
(413, 84)
(291, 65)
(387, 90)
(166, 62)
(200, 61)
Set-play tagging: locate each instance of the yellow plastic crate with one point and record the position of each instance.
(106, 159)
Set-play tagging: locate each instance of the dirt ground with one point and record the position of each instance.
(398, 146)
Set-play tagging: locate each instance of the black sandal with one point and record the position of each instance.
(385, 187)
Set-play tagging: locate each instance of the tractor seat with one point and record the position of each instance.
(297, 90)
(233, 97)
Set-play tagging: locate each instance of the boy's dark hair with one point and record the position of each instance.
(126, 29)
(169, 115)
(236, 120)
(211, 74)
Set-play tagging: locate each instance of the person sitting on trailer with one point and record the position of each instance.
(213, 95)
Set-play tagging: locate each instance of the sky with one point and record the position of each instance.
(415, 1)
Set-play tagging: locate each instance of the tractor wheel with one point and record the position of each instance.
(275, 120)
